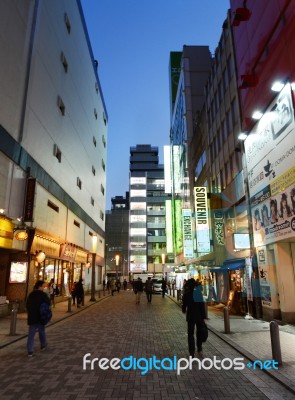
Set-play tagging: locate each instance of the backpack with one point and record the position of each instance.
(197, 294)
(45, 313)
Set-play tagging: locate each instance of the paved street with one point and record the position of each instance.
(117, 327)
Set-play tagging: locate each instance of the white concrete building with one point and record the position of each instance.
(53, 141)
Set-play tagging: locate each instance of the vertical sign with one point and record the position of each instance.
(202, 221)
(29, 199)
(188, 244)
(248, 275)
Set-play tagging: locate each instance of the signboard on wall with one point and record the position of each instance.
(202, 220)
(188, 244)
(270, 152)
(18, 272)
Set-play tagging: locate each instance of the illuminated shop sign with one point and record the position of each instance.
(188, 243)
(137, 193)
(270, 151)
(202, 222)
(169, 226)
(137, 180)
(137, 218)
(167, 169)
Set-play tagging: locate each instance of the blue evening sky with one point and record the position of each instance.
(132, 40)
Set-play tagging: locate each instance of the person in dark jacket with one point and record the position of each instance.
(34, 301)
(138, 289)
(80, 292)
(149, 289)
(164, 287)
(194, 307)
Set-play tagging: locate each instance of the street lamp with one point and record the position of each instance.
(117, 258)
(94, 247)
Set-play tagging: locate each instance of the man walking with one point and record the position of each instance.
(194, 307)
(149, 289)
(138, 289)
(34, 301)
(164, 287)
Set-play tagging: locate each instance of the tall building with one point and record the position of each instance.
(147, 226)
(195, 65)
(53, 129)
(117, 237)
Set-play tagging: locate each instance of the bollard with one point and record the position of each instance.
(226, 320)
(99, 294)
(69, 304)
(13, 320)
(275, 342)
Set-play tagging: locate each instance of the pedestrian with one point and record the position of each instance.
(194, 307)
(149, 289)
(164, 287)
(125, 284)
(104, 285)
(118, 285)
(73, 292)
(138, 289)
(34, 301)
(52, 290)
(113, 286)
(108, 286)
(80, 293)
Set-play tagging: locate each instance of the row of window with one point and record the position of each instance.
(227, 174)
(55, 207)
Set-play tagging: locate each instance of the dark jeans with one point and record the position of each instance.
(163, 292)
(191, 337)
(149, 296)
(31, 336)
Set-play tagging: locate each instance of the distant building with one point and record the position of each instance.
(117, 237)
(53, 139)
(147, 221)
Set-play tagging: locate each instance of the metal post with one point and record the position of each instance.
(275, 342)
(92, 298)
(173, 288)
(226, 320)
(69, 304)
(13, 320)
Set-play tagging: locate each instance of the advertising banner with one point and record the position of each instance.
(270, 151)
(188, 244)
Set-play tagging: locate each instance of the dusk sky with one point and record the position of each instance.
(132, 40)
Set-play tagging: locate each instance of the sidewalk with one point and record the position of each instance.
(251, 338)
(59, 312)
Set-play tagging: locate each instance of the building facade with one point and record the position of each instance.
(117, 238)
(53, 123)
(264, 41)
(147, 220)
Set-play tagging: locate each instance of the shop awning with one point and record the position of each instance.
(236, 263)
(230, 265)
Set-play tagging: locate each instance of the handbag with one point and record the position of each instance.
(203, 332)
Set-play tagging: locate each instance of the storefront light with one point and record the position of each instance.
(40, 256)
(21, 235)
(277, 86)
(257, 115)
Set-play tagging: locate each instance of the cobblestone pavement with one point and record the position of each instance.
(117, 327)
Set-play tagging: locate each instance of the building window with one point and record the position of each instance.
(102, 189)
(103, 141)
(79, 183)
(101, 214)
(94, 141)
(67, 23)
(95, 113)
(57, 152)
(64, 61)
(96, 87)
(92, 201)
(61, 105)
(76, 223)
(104, 118)
(52, 206)
(103, 165)
(93, 170)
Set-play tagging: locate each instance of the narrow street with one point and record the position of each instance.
(118, 328)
